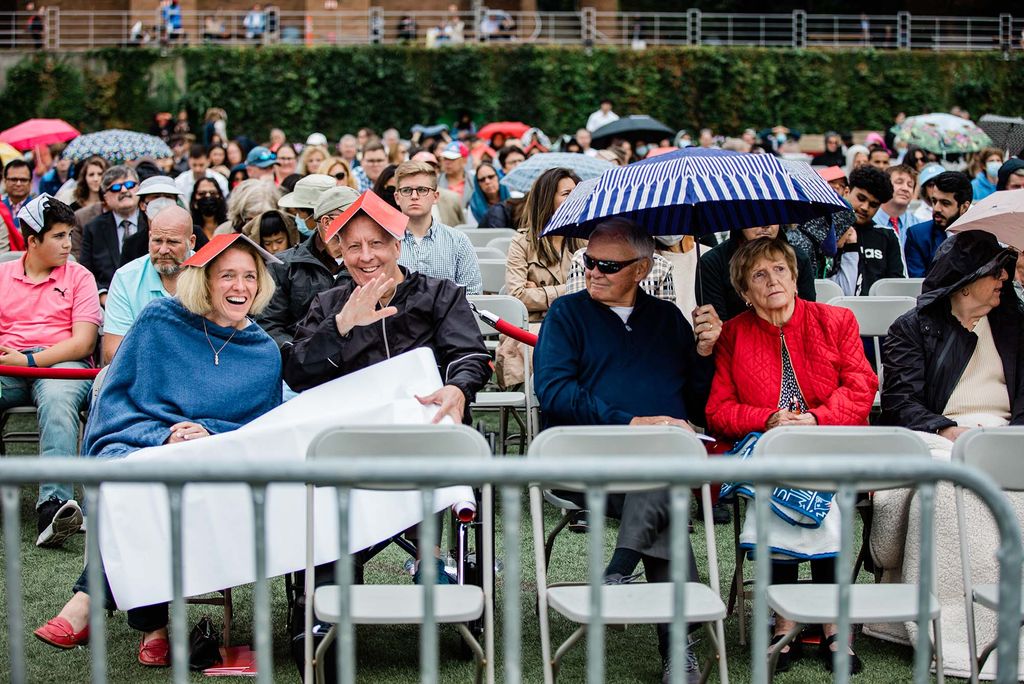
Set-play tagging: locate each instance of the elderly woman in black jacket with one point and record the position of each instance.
(955, 361)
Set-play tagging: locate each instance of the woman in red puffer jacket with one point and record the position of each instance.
(786, 361)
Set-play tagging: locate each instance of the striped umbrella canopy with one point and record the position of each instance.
(522, 177)
(696, 191)
(117, 146)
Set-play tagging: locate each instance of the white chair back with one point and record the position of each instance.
(481, 236)
(492, 272)
(826, 290)
(489, 253)
(896, 287)
(501, 243)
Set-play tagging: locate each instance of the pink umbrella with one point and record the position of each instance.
(510, 129)
(28, 134)
(1001, 213)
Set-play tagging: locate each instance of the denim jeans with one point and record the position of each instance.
(57, 404)
(144, 618)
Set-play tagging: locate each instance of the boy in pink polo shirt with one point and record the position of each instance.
(49, 318)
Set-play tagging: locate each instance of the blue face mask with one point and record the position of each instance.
(992, 169)
(642, 151)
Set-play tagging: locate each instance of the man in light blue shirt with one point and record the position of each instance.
(429, 246)
(148, 277)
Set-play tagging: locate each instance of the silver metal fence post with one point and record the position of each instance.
(179, 614)
(97, 593)
(512, 624)
(762, 578)
(680, 566)
(595, 577)
(11, 496)
(428, 576)
(923, 652)
(841, 657)
(346, 646)
(903, 30)
(261, 594)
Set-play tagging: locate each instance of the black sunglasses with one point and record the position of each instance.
(341, 175)
(606, 266)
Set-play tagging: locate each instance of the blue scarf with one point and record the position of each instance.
(163, 373)
(478, 202)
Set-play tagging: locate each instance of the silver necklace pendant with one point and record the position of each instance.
(216, 359)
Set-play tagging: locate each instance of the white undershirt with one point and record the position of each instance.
(622, 312)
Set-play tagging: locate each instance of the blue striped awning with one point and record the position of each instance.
(697, 191)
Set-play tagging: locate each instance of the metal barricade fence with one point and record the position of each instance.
(510, 476)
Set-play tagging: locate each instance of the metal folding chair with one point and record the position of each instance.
(456, 604)
(896, 287)
(640, 603)
(826, 290)
(995, 451)
(816, 604)
(480, 237)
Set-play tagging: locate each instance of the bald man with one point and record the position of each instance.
(149, 277)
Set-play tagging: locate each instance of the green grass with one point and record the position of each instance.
(390, 654)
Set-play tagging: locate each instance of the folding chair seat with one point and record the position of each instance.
(639, 603)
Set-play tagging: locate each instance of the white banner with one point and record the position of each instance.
(217, 519)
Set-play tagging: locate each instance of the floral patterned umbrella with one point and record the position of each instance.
(117, 146)
(942, 134)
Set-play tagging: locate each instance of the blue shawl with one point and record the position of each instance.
(163, 373)
(478, 202)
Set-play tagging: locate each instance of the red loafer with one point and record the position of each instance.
(58, 632)
(155, 653)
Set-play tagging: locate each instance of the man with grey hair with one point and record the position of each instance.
(103, 238)
(149, 277)
(614, 355)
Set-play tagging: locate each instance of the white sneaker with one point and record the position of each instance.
(65, 519)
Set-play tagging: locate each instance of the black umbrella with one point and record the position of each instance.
(632, 128)
(1006, 132)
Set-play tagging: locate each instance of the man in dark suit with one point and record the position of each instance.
(105, 238)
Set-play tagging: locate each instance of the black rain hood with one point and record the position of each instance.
(961, 260)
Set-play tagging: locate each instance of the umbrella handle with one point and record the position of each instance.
(700, 280)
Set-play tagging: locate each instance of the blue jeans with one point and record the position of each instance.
(57, 403)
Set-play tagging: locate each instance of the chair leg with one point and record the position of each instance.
(318, 657)
(717, 634)
(474, 646)
(228, 612)
(573, 639)
(940, 676)
(549, 543)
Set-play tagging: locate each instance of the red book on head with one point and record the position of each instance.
(212, 249)
(382, 213)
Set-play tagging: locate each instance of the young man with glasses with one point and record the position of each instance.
(614, 355)
(103, 238)
(429, 246)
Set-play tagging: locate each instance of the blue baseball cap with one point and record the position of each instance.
(260, 157)
(928, 173)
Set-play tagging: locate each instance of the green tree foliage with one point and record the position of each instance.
(337, 90)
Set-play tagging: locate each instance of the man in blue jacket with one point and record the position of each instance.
(614, 355)
(950, 194)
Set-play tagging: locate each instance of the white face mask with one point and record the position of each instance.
(669, 240)
(992, 169)
(154, 207)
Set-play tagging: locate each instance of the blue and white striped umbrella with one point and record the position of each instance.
(697, 191)
(523, 176)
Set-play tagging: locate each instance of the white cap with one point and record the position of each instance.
(159, 185)
(316, 139)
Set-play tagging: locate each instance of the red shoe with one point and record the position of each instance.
(58, 632)
(155, 653)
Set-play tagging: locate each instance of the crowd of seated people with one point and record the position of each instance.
(303, 278)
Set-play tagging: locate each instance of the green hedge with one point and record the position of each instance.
(335, 90)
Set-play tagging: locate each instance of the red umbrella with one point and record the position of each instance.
(28, 134)
(510, 129)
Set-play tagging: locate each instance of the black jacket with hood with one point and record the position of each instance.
(300, 277)
(432, 313)
(717, 289)
(927, 349)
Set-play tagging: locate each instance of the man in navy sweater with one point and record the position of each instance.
(614, 355)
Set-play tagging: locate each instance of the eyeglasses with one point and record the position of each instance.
(13, 179)
(606, 266)
(118, 187)
(421, 191)
(341, 175)
(486, 179)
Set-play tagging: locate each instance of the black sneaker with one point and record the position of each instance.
(579, 524)
(692, 669)
(619, 578)
(58, 520)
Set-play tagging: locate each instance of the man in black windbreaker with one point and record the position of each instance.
(384, 311)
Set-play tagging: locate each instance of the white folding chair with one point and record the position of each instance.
(481, 236)
(826, 290)
(492, 272)
(403, 604)
(514, 311)
(896, 287)
(816, 604)
(995, 451)
(625, 604)
(489, 253)
(501, 243)
(10, 256)
(875, 315)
